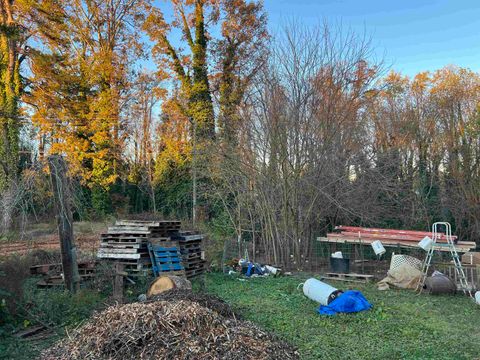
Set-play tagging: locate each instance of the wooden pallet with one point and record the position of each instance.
(188, 238)
(193, 273)
(352, 277)
(44, 269)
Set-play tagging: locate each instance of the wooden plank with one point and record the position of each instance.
(122, 245)
(113, 250)
(343, 279)
(118, 256)
(372, 236)
(188, 238)
(30, 331)
(147, 223)
(350, 275)
(388, 231)
(460, 246)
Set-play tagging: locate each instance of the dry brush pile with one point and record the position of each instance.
(169, 329)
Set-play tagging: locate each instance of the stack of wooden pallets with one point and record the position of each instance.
(52, 273)
(191, 252)
(158, 246)
(126, 242)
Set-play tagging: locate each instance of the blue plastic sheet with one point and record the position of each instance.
(350, 301)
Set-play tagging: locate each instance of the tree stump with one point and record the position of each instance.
(168, 282)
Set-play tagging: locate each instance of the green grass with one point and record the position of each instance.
(56, 307)
(401, 325)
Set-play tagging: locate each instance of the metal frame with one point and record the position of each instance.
(436, 234)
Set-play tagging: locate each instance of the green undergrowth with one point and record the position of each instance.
(401, 325)
(56, 308)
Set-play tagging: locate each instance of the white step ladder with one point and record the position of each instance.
(436, 234)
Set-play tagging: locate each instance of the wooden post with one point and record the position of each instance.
(118, 283)
(62, 200)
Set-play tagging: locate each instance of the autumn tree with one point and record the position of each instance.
(239, 54)
(11, 39)
(81, 79)
(229, 62)
(21, 22)
(146, 95)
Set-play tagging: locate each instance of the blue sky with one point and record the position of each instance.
(414, 35)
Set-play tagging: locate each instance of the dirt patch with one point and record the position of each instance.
(86, 243)
(168, 330)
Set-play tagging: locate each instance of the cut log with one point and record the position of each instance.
(165, 283)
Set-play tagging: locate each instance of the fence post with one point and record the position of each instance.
(62, 200)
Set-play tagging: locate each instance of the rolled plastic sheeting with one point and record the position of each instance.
(319, 291)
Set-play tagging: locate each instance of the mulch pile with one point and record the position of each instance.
(209, 301)
(166, 329)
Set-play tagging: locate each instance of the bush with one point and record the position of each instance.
(13, 273)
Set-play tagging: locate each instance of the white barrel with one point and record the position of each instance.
(477, 297)
(318, 291)
(378, 248)
(426, 243)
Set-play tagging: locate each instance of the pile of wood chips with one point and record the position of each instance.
(209, 301)
(167, 329)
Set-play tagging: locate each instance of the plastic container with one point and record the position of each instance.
(477, 297)
(337, 254)
(338, 265)
(426, 243)
(378, 248)
(319, 291)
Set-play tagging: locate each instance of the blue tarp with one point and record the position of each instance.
(350, 301)
(253, 269)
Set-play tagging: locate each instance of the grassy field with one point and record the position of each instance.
(401, 325)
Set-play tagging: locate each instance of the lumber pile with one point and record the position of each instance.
(390, 237)
(158, 246)
(177, 329)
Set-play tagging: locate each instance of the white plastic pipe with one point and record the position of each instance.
(318, 291)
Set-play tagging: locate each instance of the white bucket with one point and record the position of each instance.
(426, 243)
(378, 248)
(318, 291)
(477, 297)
